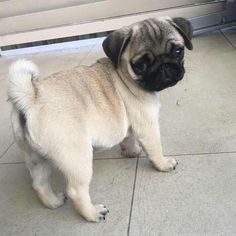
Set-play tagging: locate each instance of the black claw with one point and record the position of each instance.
(174, 168)
(65, 198)
(108, 211)
(104, 218)
(103, 213)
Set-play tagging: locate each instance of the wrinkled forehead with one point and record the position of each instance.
(156, 35)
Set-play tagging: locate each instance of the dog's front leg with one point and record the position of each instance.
(148, 133)
(130, 147)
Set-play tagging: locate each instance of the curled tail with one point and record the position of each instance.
(21, 85)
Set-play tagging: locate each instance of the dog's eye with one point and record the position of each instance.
(178, 52)
(141, 65)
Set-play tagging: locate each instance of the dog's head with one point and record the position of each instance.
(151, 51)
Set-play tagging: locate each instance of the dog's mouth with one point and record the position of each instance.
(166, 84)
(166, 75)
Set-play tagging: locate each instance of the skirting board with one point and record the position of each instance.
(105, 24)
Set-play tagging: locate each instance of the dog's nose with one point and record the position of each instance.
(164, 67)
(166, 70)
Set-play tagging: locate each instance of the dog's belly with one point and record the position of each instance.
(109, 134)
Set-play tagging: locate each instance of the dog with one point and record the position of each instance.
(62, 118)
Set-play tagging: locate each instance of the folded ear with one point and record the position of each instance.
(115, 44)
(185, 28)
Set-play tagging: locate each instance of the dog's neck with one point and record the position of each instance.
(128, 88)
(134, 88)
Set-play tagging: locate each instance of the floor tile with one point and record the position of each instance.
(113, 153)
(231, 36)
(4, 68)
(208, 44)
(12, 155)
(22, 213)
(95, 54)
(52, 62)
(198, 115)
(6, 136)
(198, 198)
(6, 61)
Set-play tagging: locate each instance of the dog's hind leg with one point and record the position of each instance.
(40, 170)
(37, 165)
(76, 164)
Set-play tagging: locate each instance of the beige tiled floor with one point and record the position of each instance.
(198, 126)
(198, 115)
(197, 199)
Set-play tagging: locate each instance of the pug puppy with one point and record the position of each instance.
(62, 118)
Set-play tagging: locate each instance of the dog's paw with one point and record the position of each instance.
(57, 201)
(131, 151)
(98, 214)
(167, 165)
(102, 212)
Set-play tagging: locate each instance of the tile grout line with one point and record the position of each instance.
(82, 60)
(200, 153)
(121, 156)
(170, 155)
(142, 157)
(89, 52)
(12, 163)
(132, 199)
(228, 40)
(112, 158)
(1, 156)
